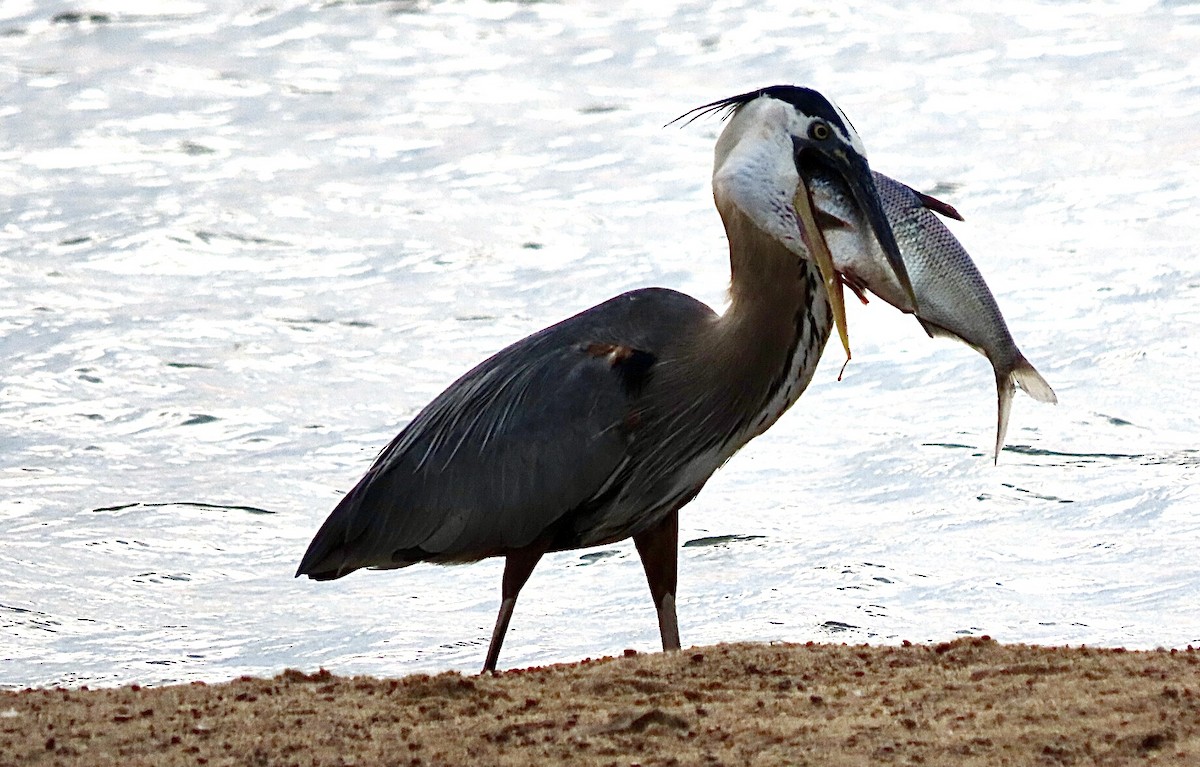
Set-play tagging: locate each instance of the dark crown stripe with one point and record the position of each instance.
(806, 100)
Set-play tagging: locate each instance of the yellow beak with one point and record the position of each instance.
(814, 240)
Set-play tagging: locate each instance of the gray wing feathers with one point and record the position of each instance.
(525, 437)
(500, 459)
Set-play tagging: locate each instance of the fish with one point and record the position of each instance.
(952, 298)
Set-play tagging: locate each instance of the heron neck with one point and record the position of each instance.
(731, 379)
(766, 345)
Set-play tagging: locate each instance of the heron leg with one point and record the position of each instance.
(518, 565)
(659, 550)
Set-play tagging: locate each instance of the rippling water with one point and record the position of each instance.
(241, 248)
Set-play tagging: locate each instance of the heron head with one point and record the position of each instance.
(774, 137)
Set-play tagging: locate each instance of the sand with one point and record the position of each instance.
(968, 702)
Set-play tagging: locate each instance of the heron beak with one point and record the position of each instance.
(818, 248)
(854, 171)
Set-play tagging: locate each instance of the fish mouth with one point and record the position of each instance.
(852, 171)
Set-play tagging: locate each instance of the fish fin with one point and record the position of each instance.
(937, 206)
(933, 331)
(1031, 382)
(1004, 397)
(852, 281)
(829, 221)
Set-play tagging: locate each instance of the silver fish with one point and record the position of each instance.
(952, 298)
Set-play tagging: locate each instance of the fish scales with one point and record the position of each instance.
(953, 300)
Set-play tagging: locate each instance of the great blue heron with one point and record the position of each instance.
(603, 426)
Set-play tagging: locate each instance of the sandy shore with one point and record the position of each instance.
(969, 702)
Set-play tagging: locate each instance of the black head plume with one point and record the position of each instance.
(805, 100)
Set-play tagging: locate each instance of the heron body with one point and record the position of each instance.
(603, 426)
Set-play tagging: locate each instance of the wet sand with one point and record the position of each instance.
(968, 702)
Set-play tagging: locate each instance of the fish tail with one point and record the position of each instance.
(1004, 397)
(1031, 382)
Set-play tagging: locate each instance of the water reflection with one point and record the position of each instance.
(242, 247)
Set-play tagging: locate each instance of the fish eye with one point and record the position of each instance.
(819, 131)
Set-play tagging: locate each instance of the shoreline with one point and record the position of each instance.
(972, 701)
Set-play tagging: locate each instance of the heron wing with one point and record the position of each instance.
(524, 438)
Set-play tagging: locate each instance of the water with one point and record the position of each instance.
(241, 248)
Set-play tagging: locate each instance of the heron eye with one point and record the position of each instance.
(819, 131)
